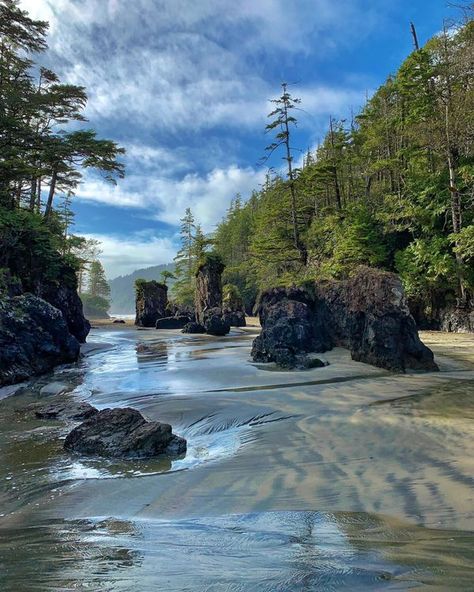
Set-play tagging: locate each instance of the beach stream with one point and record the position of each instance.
(339, 478)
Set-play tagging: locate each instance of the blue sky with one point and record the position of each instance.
(184, 85)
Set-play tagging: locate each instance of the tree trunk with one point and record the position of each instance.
(52, 189)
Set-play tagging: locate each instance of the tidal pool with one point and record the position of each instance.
(343, 477)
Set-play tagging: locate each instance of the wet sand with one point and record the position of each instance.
(374, 469)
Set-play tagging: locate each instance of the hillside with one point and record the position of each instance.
(122, 288)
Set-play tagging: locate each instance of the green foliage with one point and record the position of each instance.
(393, 189)
(31, 251)
(95, 306)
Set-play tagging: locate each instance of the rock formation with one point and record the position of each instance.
(34, 338)
(233, 306)
(151, 302)
(193, 328)
(208, 297)
(124, 433)
(366, 314)
(177, 322)
(66, 299)
(66, 409)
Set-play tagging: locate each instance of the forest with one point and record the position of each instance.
(393, 188)
(46, 148)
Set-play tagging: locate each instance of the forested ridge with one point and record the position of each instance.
(393, 188)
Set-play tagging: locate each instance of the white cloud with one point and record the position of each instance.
(185, 65)
(166, 199)
(124, 254)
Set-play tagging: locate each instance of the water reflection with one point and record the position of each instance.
(273, 551)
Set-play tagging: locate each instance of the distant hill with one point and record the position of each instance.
(122, 288)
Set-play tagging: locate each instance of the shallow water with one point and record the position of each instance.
(344, 477)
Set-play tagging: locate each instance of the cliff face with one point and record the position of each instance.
(151, 303)
(66, 299)
(366, 314)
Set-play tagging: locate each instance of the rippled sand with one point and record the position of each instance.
(340, 477)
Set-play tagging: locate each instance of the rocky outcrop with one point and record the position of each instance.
(442, 314)
(233, 306)
(151, 302)
(67, 300)
(208, 286)
(214, 322)
(208, 296)
(456, 319)
(366, 314)
(294, 322)
(172, 322)
(34, 338)
(124, 433)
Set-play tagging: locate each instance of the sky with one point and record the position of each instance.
(184, 87)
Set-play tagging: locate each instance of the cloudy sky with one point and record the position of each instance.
(184, 85)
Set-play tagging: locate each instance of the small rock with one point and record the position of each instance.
(119, 322)
(124, 433)
(172, 322)
(193, 328)
(77, 411)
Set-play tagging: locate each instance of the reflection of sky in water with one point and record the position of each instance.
(269, 551)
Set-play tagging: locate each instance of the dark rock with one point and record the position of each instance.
(124, 433)
(74, 410)
(194, 327)
(34, 338)
(172, 322)
(66, 299)
(293, 323)
(119, 322)
(235, 318)
(456, 319)
(208, 286)
(151, 302)
(214, 322)
(366, 314)
(233, 306)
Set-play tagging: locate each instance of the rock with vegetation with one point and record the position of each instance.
(233, 306)
(124, 433)
(34, 338)
(151, 302)
(208, 294)
(366, 314)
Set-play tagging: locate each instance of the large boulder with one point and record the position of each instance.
(366, 314)
(34, 338)
(124, 433)
(172, 322)
(214, 322)
(151, 302)
(293, 323)
(235, 318)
